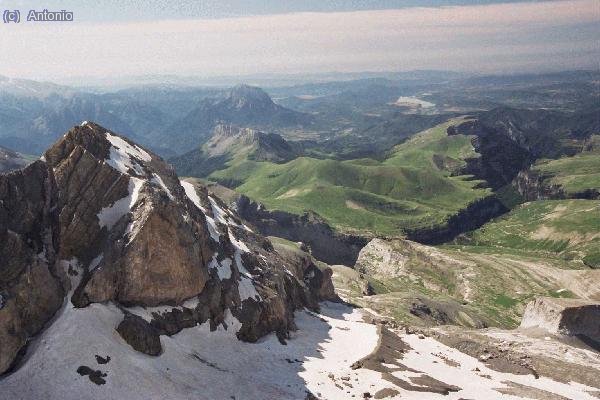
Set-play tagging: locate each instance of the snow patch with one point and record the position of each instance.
(413, 102)
(124, 156)
(108, 216)
(156, 179)
(223, 268)
(219, 214)
(198, 363)
(190, 191)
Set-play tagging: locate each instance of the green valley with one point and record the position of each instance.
(414, 186)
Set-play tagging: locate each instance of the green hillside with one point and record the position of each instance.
(568, 229)
(413, 187)
(574, 174)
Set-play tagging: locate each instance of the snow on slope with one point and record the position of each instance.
(108, 216)
(124, 156)
(246, 287)
(199, 364)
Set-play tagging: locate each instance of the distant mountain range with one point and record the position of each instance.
(335, 117)
(11, 160)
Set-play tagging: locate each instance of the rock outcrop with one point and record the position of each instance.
(571, 317)
(124, 215)
(140, 335)
(30, 288)
(109, 221)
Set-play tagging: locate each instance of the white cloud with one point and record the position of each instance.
(488, 38)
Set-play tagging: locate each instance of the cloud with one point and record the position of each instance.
(490, 38)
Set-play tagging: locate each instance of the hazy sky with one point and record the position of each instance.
(216, 38)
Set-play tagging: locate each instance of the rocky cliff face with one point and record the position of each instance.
(30, 289)
(501, 157)
(510, 140)
(531, 186)
(472, 217)
(126, 219)
(325, 244)
(572, 317)
(113, 220)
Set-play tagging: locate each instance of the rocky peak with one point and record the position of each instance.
(127, 231)
(248, 97)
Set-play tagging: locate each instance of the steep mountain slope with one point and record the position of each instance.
(510, 140)
(230, 144)
(10, 160)
(109, 222)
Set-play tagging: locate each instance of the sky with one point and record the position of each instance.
(229, 38)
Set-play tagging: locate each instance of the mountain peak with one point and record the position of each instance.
(246, 96)
(105, 220)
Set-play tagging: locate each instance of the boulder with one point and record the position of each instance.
(140, 335)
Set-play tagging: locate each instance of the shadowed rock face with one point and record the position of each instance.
(130, 233)
(325, 244)
(570, 317)
(30, 291)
